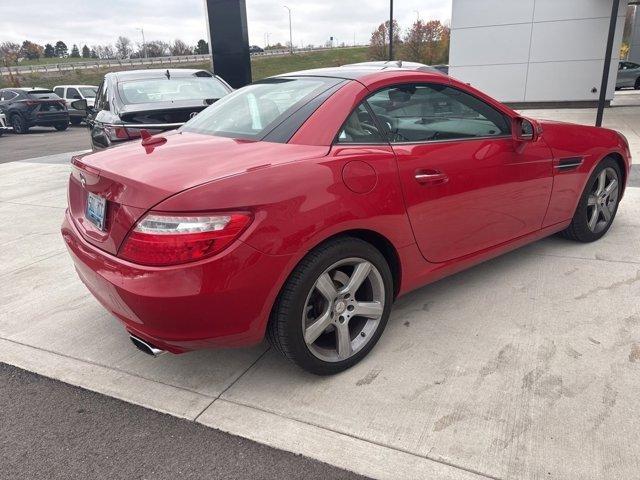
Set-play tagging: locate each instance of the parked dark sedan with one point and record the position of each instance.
(30, 107)
(154, 99)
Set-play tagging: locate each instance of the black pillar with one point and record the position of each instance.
(607, 61)
(229, 40)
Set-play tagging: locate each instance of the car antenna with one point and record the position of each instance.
(168, 74)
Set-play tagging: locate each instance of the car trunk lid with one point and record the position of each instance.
(134, 178)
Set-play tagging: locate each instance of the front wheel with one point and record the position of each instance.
(598, 204)
(61, 126)
(19, 125)
(334, 306)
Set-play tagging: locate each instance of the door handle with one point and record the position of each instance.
(431, 177)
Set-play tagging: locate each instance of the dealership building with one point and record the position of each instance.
(536, 51)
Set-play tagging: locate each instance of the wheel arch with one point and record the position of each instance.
(381, 243)
(619, 159)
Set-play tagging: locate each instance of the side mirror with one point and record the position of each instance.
(524, 130)
(79, 104)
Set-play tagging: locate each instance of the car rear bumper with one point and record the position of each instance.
(223, 301)
(47, 119)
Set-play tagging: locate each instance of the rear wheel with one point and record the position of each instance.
(19, 125)
(334, 307)
(598, 204)
(61, 126)
(75, 120)
(637, 84)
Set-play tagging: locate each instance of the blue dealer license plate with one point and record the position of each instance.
(96, 208)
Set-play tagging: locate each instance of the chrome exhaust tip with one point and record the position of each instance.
(146, 347)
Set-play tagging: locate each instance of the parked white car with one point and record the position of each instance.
(71, 93)
(3, 123)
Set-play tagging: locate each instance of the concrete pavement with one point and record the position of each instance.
(523, 367)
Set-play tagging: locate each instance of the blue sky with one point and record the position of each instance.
(99, 22)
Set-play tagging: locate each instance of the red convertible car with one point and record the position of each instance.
(299, 207)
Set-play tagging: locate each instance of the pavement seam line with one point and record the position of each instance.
(634, 262)
(115, 369)
(31, 205)
(362, 439)
(2, 274)
(232, 383)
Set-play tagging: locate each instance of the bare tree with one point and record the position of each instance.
(157, 48)
(108, 51)
(180, 48)
(123, 47)
(9, 53)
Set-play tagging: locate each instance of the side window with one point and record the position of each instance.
(101, 102)
(73, 94)
(360, 127)
(431, 112)
(7, 95)
(59, 91)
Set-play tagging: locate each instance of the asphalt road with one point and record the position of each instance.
(56, 431)
(42, 141)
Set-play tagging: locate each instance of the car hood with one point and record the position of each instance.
(147, 175)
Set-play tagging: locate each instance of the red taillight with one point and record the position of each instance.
(116, 133)
(165, 239)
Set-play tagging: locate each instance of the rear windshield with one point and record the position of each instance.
(43, 95)
(253, 111)
(88, 92)
(171, 89)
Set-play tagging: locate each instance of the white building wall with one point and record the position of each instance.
(634, 43)
(534, 50)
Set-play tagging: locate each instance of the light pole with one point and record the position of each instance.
(390, 30)
(290, 31)
(144, 44)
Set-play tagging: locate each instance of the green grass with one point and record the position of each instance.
(265, 66)
(261, 67)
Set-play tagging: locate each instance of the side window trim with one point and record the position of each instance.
(506, 117)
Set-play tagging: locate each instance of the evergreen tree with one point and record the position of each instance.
(201, 48)
(49, 51)
(61, 49)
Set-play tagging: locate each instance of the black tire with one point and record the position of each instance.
(61, 127)
(19, 125)
(579, 229)
(285, 329)
(637, 84)
(75, 120)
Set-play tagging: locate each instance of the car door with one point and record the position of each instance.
(467, 184)
(99, 117)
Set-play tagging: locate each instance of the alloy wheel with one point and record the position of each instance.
(602, 200)
(343, 309)
(16, 123)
